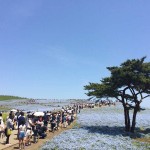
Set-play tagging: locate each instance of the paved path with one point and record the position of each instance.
(13, 140)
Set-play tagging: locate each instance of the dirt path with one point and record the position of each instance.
(33, 146)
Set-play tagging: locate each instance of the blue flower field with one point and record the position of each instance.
(102, 129)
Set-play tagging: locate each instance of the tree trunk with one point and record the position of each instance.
(134, 120)
(137, 106)
(127, 119)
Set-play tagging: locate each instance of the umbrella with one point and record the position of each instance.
(38, 114)
(14, 110)
(48, 114)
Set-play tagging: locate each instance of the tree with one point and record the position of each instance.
(129, 83)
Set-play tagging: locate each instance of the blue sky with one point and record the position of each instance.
(51, 49)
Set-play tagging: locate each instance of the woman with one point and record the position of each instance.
(9, 126)
(22, 132)
(40, 121)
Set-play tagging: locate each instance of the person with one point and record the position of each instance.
(64, 123)
(22, 132)
(2, 132)
(29, 132)
(69, 119)
(72, 117)
(58, 118)
(46, 119)
(79, 108)
(42, 132)
(8, 129)
(53, 122)
(1, 116)
(40, 121)
(35, 128)
(17, 114)
(20, 120)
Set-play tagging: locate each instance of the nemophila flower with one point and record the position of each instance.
(100, 128)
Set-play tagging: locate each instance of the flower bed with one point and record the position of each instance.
(101, 128)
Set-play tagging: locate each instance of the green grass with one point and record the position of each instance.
(145, 140)
(75, 124)
(4, 115)
(8, 97)
(4, 108)
(140, 142)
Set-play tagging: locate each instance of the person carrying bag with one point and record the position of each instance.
(8, 130)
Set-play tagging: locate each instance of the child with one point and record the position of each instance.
(22, 132)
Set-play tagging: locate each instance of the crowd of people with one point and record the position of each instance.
(31, 126)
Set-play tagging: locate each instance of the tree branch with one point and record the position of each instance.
(118, 99)
(144, 98)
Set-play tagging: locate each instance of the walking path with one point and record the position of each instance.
(34, 146)
(13, 140)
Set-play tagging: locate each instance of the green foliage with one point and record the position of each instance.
(8, 97)
(129, 83)
(142, 141)
(4, 115)
(130, 80)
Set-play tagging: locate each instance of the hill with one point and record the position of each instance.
(9, 97)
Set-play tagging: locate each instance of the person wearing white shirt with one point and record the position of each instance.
(29, 131)
(2, 132)
(22, 132)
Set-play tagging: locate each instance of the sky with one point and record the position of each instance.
(51, 49)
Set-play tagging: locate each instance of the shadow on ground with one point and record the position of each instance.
(115, 130)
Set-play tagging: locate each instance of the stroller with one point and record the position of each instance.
(42, 132)
(35, 134)
(39, 133)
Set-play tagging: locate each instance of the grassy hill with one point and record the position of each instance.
(9, 97)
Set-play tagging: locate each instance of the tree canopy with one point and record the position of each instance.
(129, 83)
